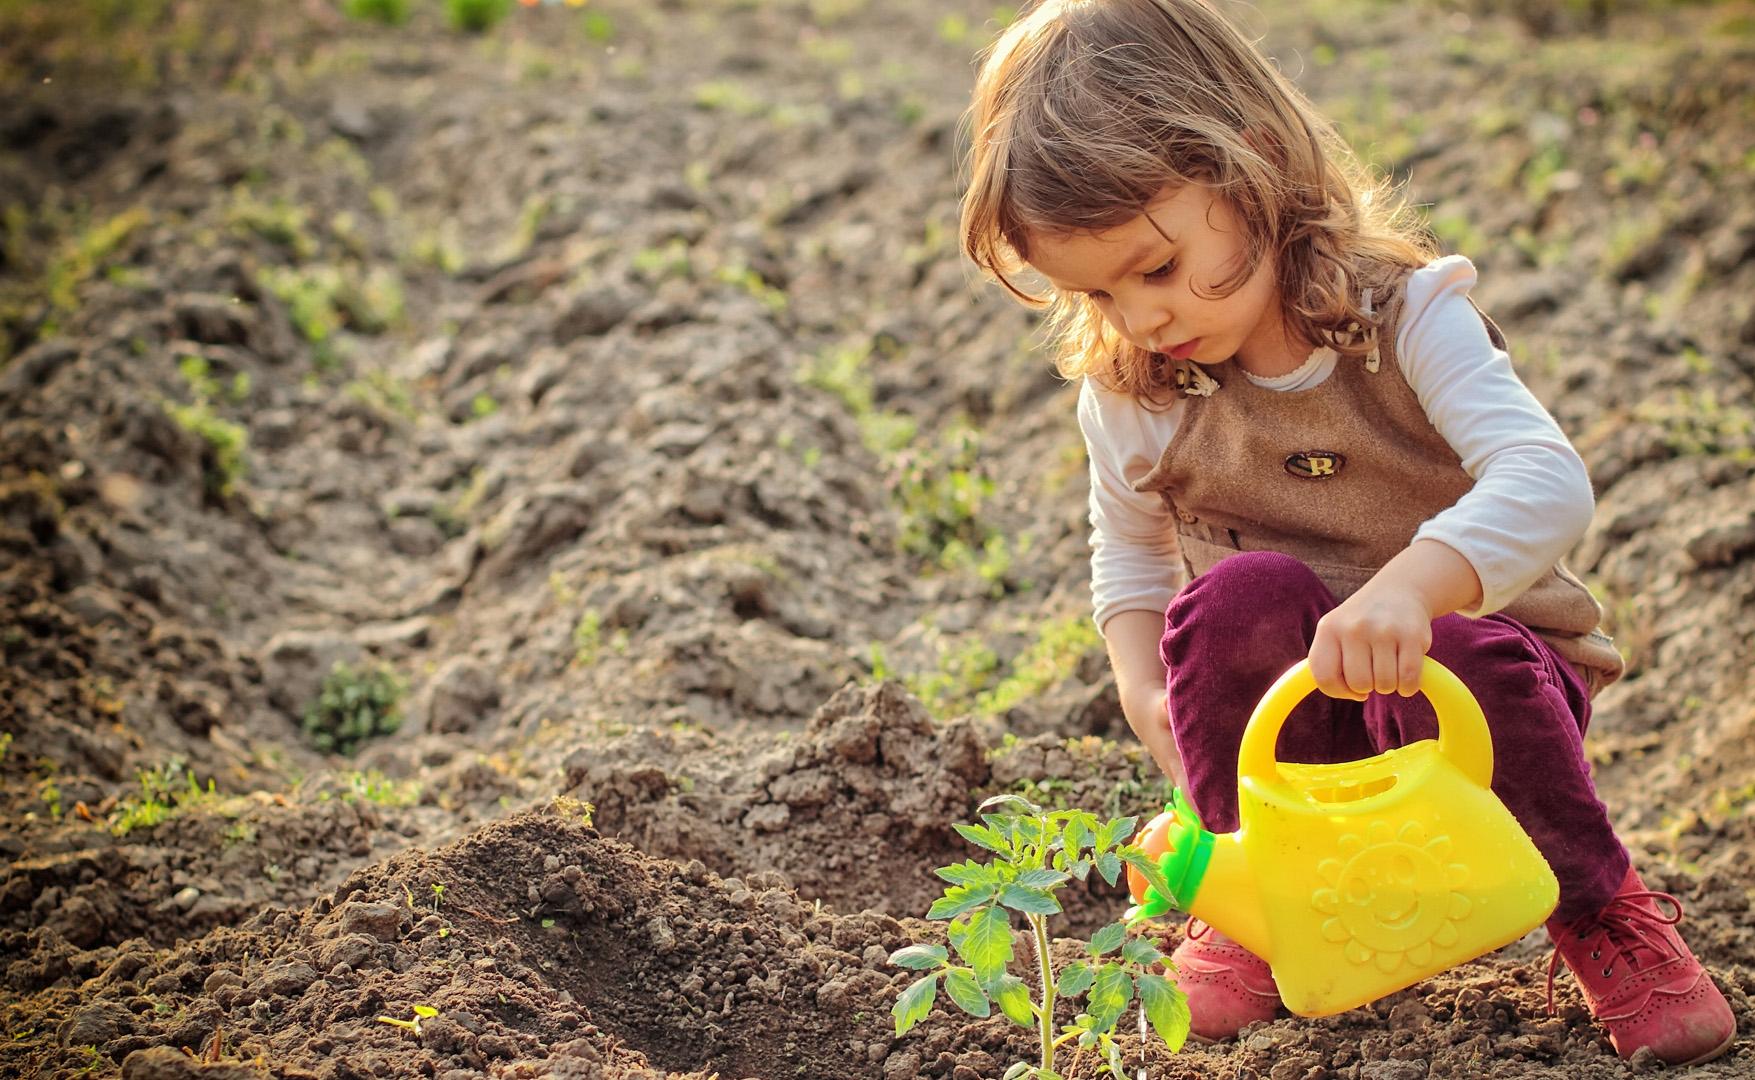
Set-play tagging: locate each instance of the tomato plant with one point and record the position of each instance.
(1036, 854)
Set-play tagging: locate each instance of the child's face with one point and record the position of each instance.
(1145, 285)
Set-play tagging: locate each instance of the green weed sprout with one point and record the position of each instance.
(352, 707)
(1038, 853)
(163, 792)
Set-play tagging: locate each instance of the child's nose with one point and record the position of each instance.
(1143, 321)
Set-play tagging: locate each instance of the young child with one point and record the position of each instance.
(1285, 391)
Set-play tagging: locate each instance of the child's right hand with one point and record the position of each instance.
(1376, 640)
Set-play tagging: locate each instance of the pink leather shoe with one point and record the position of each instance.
(1227, 985)
(1640, 981)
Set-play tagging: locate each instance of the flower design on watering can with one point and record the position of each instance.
(1392, 895)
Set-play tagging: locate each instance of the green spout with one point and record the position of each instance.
(1189, 848)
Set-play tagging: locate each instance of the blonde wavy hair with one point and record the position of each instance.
(1085, 110)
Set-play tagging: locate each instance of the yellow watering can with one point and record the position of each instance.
(1357, 879)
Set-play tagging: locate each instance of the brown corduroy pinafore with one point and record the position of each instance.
(1340, 476)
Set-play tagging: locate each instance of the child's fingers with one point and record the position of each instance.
(1325, 666)
(1411, 661)
(1357, 669)
(1385, 669)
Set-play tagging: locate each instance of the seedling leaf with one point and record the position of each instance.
(960, 984)
(987, 944)
(1013, 997)
(915, 1003)
(425, 1012)
(1108, 939)
(1148, 868)
(1076, 836)
(1112, 832)
(1041, 878)
(1075, 979)
(1029, 901)
(967, 873)
(1109, 866)
(1167, 1008)
(1140, 951)
(920, 957)
(983, 837)
(958, 899)
(1006, 828)
(1110, 994)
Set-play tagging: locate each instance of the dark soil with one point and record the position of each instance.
(528, 333)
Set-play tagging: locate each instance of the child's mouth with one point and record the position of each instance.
(1185, 350)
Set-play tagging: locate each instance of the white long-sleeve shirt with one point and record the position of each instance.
(1532, 498)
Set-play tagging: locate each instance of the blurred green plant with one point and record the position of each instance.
(452, 516)
(197, 372)
(439, 247)
(1698, 423)
(965, 671)
(1051, 659)
(598, 27)
(388, 12)
(588, 639)
(353, 706)
(754, 284)
(49, 251)
(225, 459)
(277, 221)
(938, 493)
(374, 787)
(165, 790)
(323, 299)
(723, 95)
(383, 392)
(843, 370)
(476, 16)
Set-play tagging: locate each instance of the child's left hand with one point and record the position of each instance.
(1375, 640)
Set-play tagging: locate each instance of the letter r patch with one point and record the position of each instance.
(1315, 464)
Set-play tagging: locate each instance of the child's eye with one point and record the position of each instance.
(1161, 272)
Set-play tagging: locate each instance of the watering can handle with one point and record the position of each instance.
(1462, 727)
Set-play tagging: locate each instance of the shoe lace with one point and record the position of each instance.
(1625, 928)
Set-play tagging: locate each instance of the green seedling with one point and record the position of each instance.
(354, 706)
(438, 896)
(1038, 853)
(374, 787)
(421, 1012)
(164, 791)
